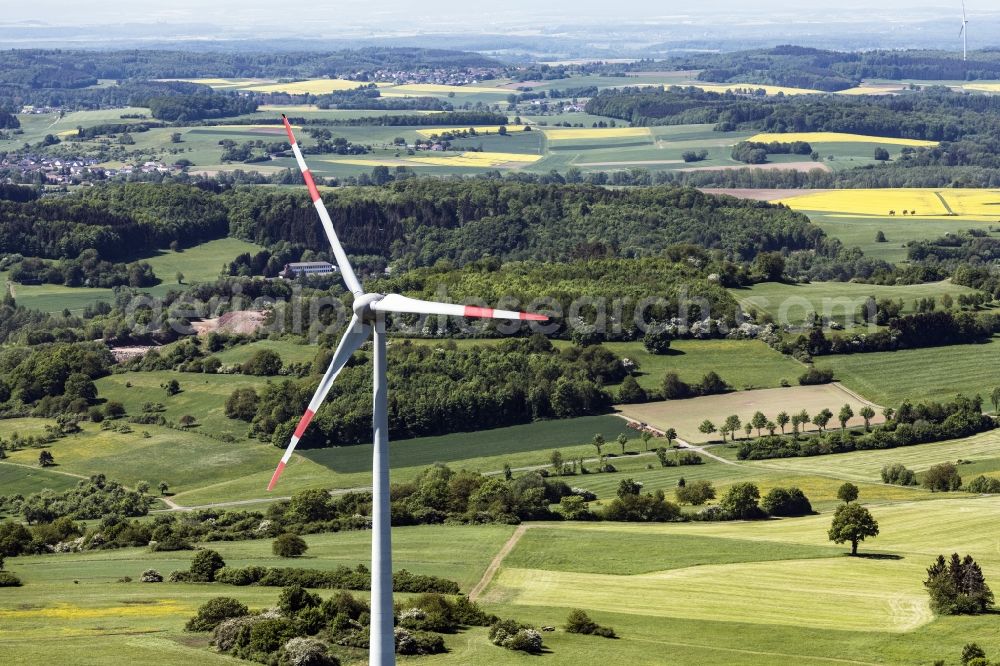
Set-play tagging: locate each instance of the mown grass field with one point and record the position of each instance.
(741, 363)
(842, 302)
(937, 373)
(861, 230)
(866, 465)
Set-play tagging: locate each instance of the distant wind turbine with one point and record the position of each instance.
(964, 34)
(369, 322)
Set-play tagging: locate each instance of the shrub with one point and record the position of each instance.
(418, 642)
(790, 502)
(984, 485)
(579, 622)
(150, 576)
(215, 611)
(295, 598)
(897, 474)
(943, 477)
(7, 579)
(204, 566)
(816, 376)
(656, 341)
(305, 652)
(695, 493)
(289, 545)
(740, 502)
(512, 635)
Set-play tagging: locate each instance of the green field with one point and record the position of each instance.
(838, 301)
(937, 373)
(866, 465)
(741, 363)
(859, 231)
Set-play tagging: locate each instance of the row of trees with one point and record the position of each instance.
(909, 424)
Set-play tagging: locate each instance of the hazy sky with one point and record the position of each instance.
(425, 14)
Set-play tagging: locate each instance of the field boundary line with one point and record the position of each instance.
(491, 570)
(944, 202)
(47, 469)
(854, 394)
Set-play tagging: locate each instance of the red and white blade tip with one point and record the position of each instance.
(490, 313)
(277, 475)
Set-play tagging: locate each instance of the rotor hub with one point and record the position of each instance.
(363, 306)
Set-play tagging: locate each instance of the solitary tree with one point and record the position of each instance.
(645, 436)
(142, 487)
(180, 277)
(598, 443)
(187, 421)
(706, 427)
(845, 415)
(163, 487)
(995, 398)
(622, 441)
(854, 523)
(770, 427)
(748, 429)
(758, 421)
(782, 420)
(847, 493)
(671, 435)
(173, 387)
(289, 545)
(45, 459)
(888, 413)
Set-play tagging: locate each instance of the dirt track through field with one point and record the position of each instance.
(491, 570)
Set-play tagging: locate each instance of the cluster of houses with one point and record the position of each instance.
(69, 170)
(440, 76)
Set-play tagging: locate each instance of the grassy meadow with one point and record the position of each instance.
(843, 302)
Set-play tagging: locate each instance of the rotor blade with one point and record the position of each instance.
(397, 303)
(961, 30)
(324, 215)
(357, 334)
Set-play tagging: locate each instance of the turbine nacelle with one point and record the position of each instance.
(363, 306)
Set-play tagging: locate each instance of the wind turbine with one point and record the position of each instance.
(964, 34)
(369, 320)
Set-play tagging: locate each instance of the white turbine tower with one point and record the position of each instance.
(369, 320)
(964, 34)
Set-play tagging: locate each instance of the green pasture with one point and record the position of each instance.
(866, 465)
(860, 231)
(935, 373)
(842, 302)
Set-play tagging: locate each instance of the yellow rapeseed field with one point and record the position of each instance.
(983, 87)
(562, 134)
(769, 89)
(926, 202)
(481, 129)
(872, 89)
(836, 137)
(65, 611)
(478, 159)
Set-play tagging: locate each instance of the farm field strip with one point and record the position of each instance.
(836, 137)
(685, 416)
(480, 129)
(866, 465)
